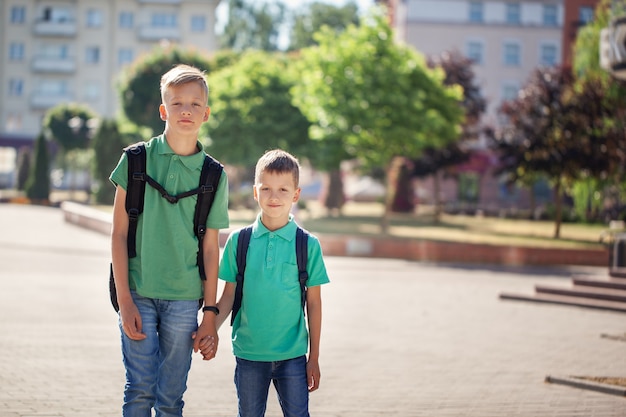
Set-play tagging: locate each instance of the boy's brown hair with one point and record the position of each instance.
(280, 162)
(183, 74)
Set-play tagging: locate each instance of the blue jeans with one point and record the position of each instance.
(252, 380)
(157, 367)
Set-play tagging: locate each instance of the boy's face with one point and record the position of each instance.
(276, 192)
(184, 108)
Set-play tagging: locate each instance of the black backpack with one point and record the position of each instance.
(302, 240)
(137, 179)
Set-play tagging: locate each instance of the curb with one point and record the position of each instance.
(588, 385)
(397, 248)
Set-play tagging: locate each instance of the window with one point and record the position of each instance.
(198, 23)
(92, 55)
(549, 55)
(94, 18)
(509, 92)
(125, 56)
(53, 88)
(16, 87)
(54, 51)
(18, 14)
(475, 52)
(91, 91)
(512, 54)
(14, 122)
(16, 51)
(476, 11)
(549, 15)
(126, 20)
(164, 20)
(56, 14)
(585, 14)
(513, 14)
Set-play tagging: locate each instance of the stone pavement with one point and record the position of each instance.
(399, 338)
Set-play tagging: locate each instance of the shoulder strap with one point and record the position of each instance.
(302, 243)
(136, 155)
(209, 180)
(243, 242)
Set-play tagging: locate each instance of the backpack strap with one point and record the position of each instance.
(136, 155)
(209, 180)
(243, 242)
(302, 242)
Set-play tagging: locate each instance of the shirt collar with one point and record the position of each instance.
(287, 232)
(194, 161)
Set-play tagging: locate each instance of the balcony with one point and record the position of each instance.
(64, 28)
(43, 101)
(53, 65)
(152, 33)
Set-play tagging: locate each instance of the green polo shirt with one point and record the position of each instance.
(271, 325)
(165, 266)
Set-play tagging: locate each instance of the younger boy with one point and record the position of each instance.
(158, 291)
(269, 333)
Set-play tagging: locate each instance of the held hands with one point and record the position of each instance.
(206, 346)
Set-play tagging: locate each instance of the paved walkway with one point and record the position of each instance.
(399, 338)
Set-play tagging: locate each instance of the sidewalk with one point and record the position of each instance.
(399, 339)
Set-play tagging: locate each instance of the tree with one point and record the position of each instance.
(433, 161)
(378, 98)
(107, 144)
(603, 120)
(252, 110)
(70, 125)
(139, 84)
(540, 137)
(252, 26)
(38, 183)
(310, 19)
(24, 162)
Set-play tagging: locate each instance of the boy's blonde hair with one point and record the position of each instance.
(278, 161)
(183, 74)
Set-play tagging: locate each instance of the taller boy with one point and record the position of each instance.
(158, 290)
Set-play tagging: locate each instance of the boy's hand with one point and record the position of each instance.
(206, 347)
(313, 374)
(131, 321)
(206, 339)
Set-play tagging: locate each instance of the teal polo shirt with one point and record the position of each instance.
(165, 266)
(271, 325)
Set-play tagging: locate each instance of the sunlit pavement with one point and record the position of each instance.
(399, 338)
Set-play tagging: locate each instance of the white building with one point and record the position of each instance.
(506, 39)
(55, 51)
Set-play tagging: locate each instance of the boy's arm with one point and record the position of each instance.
(211, 253)
(129, 315)
(314, 314)
(226, 302)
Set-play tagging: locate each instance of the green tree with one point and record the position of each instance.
(38, 183)
(108, 143)
(139, 84)
(70, 125)
(253, 25)
(251, 110)
(378, 98)
(310, 19)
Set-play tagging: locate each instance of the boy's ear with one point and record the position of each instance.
(207, 113)
(162, 112)
(254, 193)
(296, 195)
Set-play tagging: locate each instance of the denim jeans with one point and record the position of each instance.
(157, 367)
(252, 380)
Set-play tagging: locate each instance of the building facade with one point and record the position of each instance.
(59, 51)
(506, 40)
(577, 14)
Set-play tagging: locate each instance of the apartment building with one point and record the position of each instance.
(58, 51)
(507, 40)
(577, 14)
